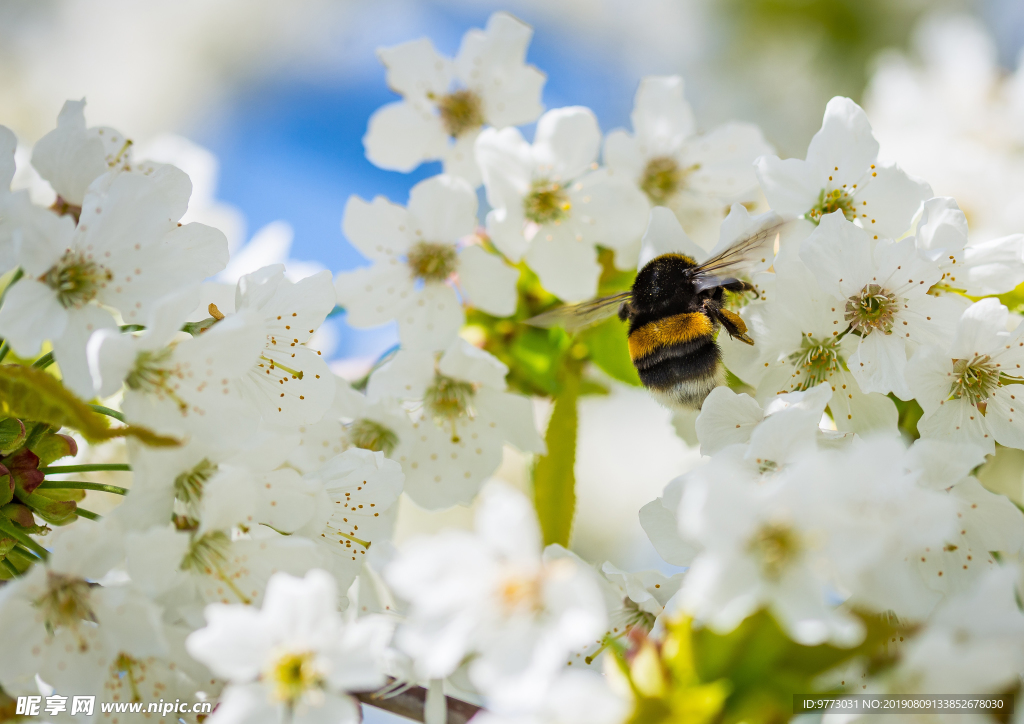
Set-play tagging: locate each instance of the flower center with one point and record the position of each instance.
(151, 373)
(521, 594)
(432, 262)
(816, 362)
(765, 467)
(662, 178)
(447, 400)
(207, 555)
(974, 379)
(830, 201)
(461, 111)
(546, 203)
(293, 674)
(75, 279)
(774, 546)
(188, 486)
(874, 308)
(65, 603)
(371, 435)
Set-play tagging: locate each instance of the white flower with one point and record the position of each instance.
(126, 252)
(572, 697)
(798, 347)
(463, 419)
(880, 288)
(181, 387)
(492, 596)
(290, 384)
(356, 505)
(695, 176)
(971, 645)
(549, 205)
(56, 623)
(295, 657)
(989, 267)
(446, 102)
(71, 156)
(417, 263)
(184, 571)
(842, 173)
(967, 390)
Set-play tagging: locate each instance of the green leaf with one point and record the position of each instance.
(767, 669)
(554, 480)
(609, 349)
(33, 394)
(55, 512)
(53, 446)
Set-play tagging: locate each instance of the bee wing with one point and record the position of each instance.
(574, 317)
(748, 251)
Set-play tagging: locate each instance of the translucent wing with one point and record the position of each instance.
(753, 249)
(573, 317)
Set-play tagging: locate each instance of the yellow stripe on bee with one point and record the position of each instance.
(676, 329)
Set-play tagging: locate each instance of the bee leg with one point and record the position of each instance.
(737, 285)
(731, 321)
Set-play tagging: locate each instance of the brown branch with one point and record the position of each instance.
(412, 703)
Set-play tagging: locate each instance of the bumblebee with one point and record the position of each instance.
(675, 310)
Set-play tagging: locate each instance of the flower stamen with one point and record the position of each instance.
(461, 111)
(546, 203)
(873, 309)
(432, 262)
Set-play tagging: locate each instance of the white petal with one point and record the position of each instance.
(375, 295)
(855, 411)
(401, 136)
(443, 209)
(725, 161)
(285, 502)
(608, 210)
(566, 142)
(378, 228)
(623, 155)
(43, 235)
(463, 361)
(930, 377)
(284, 400)
(844, 141)
(459, 159)
(980, 330)
(567, 268)
(68, 157)
(416, 69)
(879, 365)
(433, 319)
(662, 119)
(661, 527)
(886, 206)
(839, 254)
(517, 100)
(942, 464)
(726, 418)
(234, 644)
(30, 314)
(1005, 417)
(791, 186)
(488, 282)
(69, 348)
(942, 229)
(993, 267)
(665, 235)
(405, 377)
(291, 311)
(506, 164)
(506, 520)
(514, 415)
(959, 421)
(110, 356)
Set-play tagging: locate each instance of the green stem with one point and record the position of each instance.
(554, 479)
(4, 349)
(10, 529)
(93, 468)
(20, 551)
(82, 485)
(108, 412)
(132, 327)
(87, 514)
(17, 275)
(43, 362)
(9, 567)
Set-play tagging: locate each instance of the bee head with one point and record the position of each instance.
(662, 279)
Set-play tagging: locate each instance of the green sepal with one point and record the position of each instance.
(6, 485)
(55, 512)
(54, 446)
(24, 469)
(75, 494)
(12, 435)
(18, 513)
(33, 394)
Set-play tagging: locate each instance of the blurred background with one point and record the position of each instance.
(274, 98)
